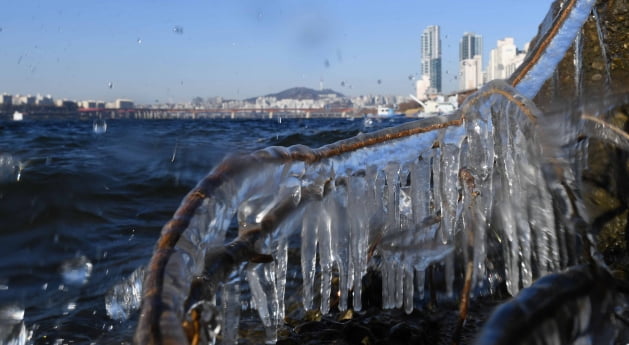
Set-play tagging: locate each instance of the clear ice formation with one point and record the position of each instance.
(411, 202)
(477, 186)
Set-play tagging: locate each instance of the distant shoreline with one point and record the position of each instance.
(169, 114)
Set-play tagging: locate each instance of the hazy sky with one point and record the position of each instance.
(175, 50)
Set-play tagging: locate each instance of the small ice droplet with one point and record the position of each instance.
(12, 328)
(10, 313)
(125, 297)
(99, 126)
(178, 29)
(71, 306)
(10, 168)
(76, 271)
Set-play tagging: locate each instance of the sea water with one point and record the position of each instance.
(81, 210)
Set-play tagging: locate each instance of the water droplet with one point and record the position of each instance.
(178, 29)
(71, 306)
(76, 271)
(379, 81)
(326, 63)
(139, 40)
(125, 297)
(99, 126)
(11, 313)
(342, 84)
(10, 168)
(110, 85)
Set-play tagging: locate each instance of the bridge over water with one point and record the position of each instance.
(197, 113)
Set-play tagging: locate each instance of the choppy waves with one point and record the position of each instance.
(80, 211)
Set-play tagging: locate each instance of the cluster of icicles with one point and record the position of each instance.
(474, 189)
(478, 186)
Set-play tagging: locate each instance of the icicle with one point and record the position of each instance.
(325, 249)
(601, 42)
(259, 300)
(420, 282)
(392, 173)
(357, 207)
(406, 207)
(420, 187)
(479, 158)
(578, 64)
(280, 267)
(449, 186)
(399, 284)
(340, 238)
(309, 241)
(231, 311)
(408, 288)
(436, 181)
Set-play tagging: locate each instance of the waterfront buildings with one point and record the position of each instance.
(504, 59)
(470, 61)
(6, 100)
(431, 57)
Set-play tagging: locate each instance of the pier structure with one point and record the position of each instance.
(208, 113)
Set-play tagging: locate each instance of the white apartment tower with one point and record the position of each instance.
(470, 61)
(504, 59)
(431, 56)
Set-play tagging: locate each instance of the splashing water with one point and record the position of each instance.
(10, 168)
(125, 297)
(12, 328)
(99, 126)
(76, 271)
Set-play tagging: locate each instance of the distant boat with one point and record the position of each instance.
(18, 116)
(385, 112)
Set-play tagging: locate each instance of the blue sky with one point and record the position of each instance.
(173, 50)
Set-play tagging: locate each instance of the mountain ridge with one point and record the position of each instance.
(300, 93)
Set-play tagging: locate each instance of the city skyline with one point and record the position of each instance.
(171, 53)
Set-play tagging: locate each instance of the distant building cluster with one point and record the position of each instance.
(271, 102)
(47, 101)
(503, 61)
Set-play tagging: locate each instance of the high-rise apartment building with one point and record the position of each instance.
(431, 56)
(504, 59)
(470, 61)
(470, 46)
